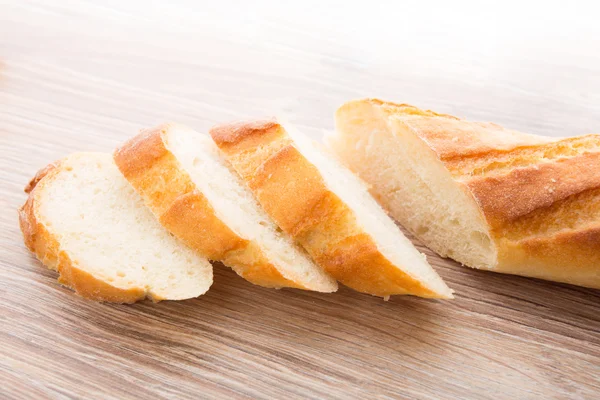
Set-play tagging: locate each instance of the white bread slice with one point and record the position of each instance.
(84, 220)
(191, 188)
(486, 196)
(327, 209)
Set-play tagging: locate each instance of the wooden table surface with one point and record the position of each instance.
(85, 76)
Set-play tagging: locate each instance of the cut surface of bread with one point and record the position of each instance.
(195, 194)
(84, 220)
(327, 210)
(486, 196)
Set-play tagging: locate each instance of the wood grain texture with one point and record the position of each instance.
(81, 75)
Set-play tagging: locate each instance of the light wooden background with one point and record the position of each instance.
(79, 75)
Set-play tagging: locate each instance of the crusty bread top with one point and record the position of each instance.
(453, 138)
(294, 192)
(497, 164)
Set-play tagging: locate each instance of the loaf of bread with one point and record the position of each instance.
(84, 220)
(195, 194)
(488, 197)
(326, 209)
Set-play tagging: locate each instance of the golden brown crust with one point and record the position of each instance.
(250, 133)
(249, 144)
(46, 247)
(571, 256)
(573, 212)
(467, 139)
(538, 195)
(152, 170)
(294, 194)
(185, 212)
(293, 212)
(497, 162)
(451, 137)
(521, 191)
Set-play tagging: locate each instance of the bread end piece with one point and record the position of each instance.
(486, 196)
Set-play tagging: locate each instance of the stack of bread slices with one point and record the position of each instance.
(282, 211)
(262, 199)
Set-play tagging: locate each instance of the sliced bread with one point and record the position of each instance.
(195, 194)
(486, 196)
(327, 209)
(84, 220)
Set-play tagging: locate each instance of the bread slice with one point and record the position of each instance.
(327, 209)
(85, 221)
(196, 195)
(483, 195)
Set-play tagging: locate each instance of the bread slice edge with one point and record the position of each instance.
(46, 247)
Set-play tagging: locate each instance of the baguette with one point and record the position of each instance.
(195, 195)
(327, 210)
(85, 221)
(488, 197)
